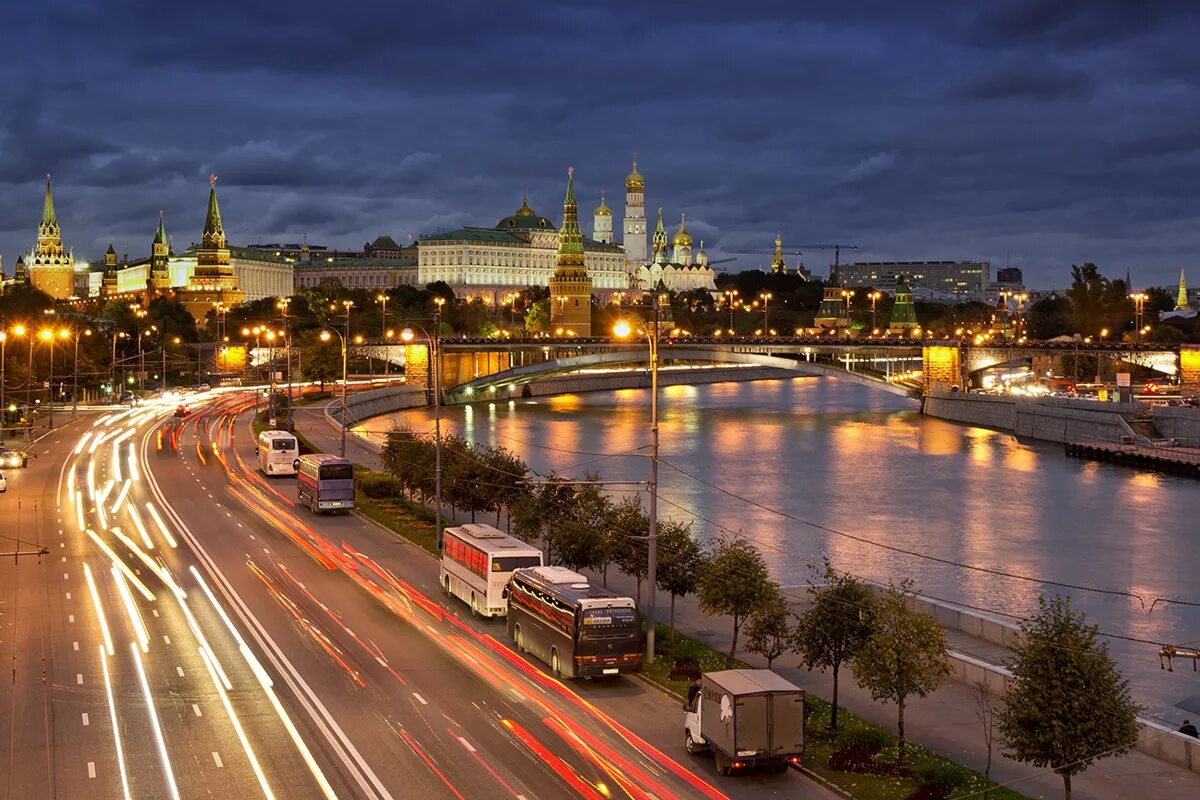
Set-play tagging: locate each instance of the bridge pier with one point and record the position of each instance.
(1189, 367)
(941, 366)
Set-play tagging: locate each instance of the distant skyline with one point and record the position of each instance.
(1038, 134)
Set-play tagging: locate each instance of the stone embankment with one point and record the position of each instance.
(1048, 419)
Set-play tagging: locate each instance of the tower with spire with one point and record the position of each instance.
(49, 267)
(1181, 302)
(682, 243)
(904, 313)
(635, 219)
(778, 265)
(661, 255)
(571, 287)
(160, 252)
(213, 280)
(602, 229)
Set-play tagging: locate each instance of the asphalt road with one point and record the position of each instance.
(259, 650)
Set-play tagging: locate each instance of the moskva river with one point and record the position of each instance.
(794, 464)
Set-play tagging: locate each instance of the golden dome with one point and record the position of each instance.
(634, 182)
(682, 237)
(603, 210)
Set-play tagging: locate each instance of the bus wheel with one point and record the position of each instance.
(517, 640)
(554, 668)
(474, 606)
(446, 584)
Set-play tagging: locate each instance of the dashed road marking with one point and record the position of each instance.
(166, 638)
(86, 721)
(196, 708)
(420, 699)
(180, 671)
(70, 617)
(154, 611)
(91, 769)
(76, 644)
(65, 575)
(68, 595)
(79, 678)
(217, 759)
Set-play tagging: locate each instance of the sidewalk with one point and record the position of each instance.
(945, 722)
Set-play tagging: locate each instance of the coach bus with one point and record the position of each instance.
(578, 629)
(325, 483)
(477, 561)
(278, 453)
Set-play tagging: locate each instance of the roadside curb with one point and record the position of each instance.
(829, 786)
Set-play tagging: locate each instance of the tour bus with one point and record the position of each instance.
(278, 453)
(578, 629)
(477, 561)
(325, 482)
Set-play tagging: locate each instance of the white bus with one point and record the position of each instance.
(477, 561)
(278, 453)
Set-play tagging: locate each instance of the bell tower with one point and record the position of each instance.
(635, 219)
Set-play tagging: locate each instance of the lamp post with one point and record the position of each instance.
(623, 330)
(731, 300)
(1139, 307)
(3, 408)
(382, 299)
(74, 378)
(766, 301)
(345, 339)
(256, 331)
(874, 297)
(407, 335)
(282, 305)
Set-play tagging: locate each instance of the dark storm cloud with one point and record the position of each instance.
(1054, 132)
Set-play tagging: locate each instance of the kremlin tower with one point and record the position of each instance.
(635, 220)
(570, 287)
(50, 268)
(213, 280)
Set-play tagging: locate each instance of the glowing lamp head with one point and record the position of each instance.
(46, 334)
(622, 329)
(64, 334)
(326, 336)
(18, 330)
(407, 334)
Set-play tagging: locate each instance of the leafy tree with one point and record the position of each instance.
(537, 318)
(1049, 318)
(506, 475)
(629, 529)
(680, 561)
(769, 630)
(735, 584)
(1068, 704)
(410, 460)
(320, 361)
(904, 655)
(466, 480)
(579, 535)
(834, 628)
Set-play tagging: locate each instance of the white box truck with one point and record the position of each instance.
(747, 718)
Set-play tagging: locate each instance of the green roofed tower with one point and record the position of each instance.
(904, 313)
(571, 287)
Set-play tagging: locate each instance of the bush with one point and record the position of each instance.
(376, 485)
(871, 739)
(941, 774)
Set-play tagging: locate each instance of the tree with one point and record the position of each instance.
(836, 626)
(537, 318)
(629, 527)
(409, 459)
(463, 478)
(735, 584)
(986, 712)
(769, 630)
(506, 476)
(1068, 704)
(578, 534)
(681, 561)
(904, 655)
(321, 361)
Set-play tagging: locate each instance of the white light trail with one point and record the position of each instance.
(120, 564)
(112, 715)
(133, 467)
(137, 523)
(91, 479)
(181, 598)
(79, 511)
(91, 582)
(116, 506)
(83, 440)
(116, 462)
(101, 517)
(153, 566)
(71, 479)
(237, 725)
(135, 617)
(162, 528)
(102, 495)
(158, 734)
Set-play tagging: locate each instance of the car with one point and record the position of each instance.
(204, 387)
(3, 483)
(182, 411)
(14, 459)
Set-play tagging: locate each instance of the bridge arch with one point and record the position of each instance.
(505, 383)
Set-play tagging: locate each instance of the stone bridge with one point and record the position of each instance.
(473, 368)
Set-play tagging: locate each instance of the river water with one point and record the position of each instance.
(788, 459)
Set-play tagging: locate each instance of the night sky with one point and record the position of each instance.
(1036, 132)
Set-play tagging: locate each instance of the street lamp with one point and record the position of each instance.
(345, 340)
(435, 358)
(1139, 308)
(75, 376)
(382, 299)
(874, 297)
(731, 300)
(3, 408)
(766, 301)
(622, 330)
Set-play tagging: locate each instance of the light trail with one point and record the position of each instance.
(554, 762)
(116, 461)
(112, 715)
(121, 495)
(137, 523)
(91, 582)
(432, 766)
(194, 624)
(153, 566)
(491, 771)
(120, 564)
(91, 479)
(237, 726)
(135, 617)
(134, 474)
(158, 734)
(78, 497)
(162, 528)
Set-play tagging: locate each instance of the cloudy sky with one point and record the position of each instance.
(1030, 132)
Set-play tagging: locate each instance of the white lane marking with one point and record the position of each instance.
(420, 699)
(180, 671)
(68, 595)
(466, 744)
(64, 560)
(76, 644)
(217, 759)
(70, 617)
(154, 611)
(166, 638)
(79, 678)
(91, 769)
(65, 575)
(86, 721)
(62, 544)
(228, 514)
(196, 709)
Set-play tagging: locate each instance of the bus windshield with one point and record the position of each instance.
(283, 444)
(509, 563)
(608, 623)
(334, 472)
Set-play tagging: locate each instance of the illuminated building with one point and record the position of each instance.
(674, 268)
(904, 313)
(635, 220)
(833, 313)
(49, 267)
(962, 279)
(602, 230)
(571, 287)
(212, 280)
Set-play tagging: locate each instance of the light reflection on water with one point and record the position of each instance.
(864, 462)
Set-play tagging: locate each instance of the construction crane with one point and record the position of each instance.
(798, 250)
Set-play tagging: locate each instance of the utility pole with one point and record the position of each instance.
(437, 415)
(652, 539)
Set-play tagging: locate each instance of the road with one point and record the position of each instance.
(243, 645)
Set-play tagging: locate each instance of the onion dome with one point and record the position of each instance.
(603, 210)
(634, 182)
(682, 237)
